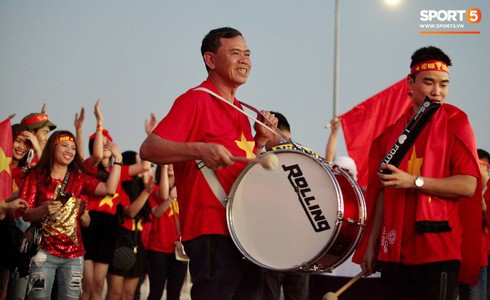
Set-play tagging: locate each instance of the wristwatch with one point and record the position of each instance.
(419, 182)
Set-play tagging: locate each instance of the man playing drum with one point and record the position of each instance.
(421, 229)
(199, 127)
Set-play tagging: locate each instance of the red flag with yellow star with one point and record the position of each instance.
(363, 123)
(5, 159)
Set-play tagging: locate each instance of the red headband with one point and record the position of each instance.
(430, 65)
(65, 138)
(105, 133)
(35, 119)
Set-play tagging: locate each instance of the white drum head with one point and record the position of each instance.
(273, 225)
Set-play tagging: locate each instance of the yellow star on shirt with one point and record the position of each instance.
(246, 146)
(137, 226)
(5, 162)
(174, 208)
(108, 200)
(414, 163)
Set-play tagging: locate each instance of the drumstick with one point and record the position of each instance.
(334, 296)
(267, 161)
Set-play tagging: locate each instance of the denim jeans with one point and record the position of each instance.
(474, 292)
(45, 267)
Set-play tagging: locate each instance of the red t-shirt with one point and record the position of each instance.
(196, 116)
(163, 232)
(107, 204)
(129, 223)
(62, 238)
(442, 247)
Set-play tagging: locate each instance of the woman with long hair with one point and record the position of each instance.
(122, 283)
(54, 190)
(166, 272)
(101, 222)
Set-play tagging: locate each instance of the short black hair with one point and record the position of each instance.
(211, 41)
(482, 154)
(282, 122)
(429, 53)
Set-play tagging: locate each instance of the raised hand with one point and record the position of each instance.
(98, 114)
(149, 126)
(79, 119)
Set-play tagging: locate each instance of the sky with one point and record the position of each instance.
(139, 56)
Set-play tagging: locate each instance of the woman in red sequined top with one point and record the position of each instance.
(53, 190)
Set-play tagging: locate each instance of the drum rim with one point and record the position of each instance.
(362, 218)
(328, 244)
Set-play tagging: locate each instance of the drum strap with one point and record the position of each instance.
(277, 132)
(213, 182)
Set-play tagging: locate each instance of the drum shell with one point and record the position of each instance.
(343, 207)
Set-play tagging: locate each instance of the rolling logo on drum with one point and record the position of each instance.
(308, 202)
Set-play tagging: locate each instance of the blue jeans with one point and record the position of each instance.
(45, 267)
(474, 292)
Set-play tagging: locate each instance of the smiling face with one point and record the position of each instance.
(20, 147)
(434, 84)
(231, 63)
(65, 152)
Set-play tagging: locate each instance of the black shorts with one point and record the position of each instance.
(141, 266)
(99, 238)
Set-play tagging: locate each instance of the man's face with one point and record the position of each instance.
(433, 84)
(232, 61)
(42, 135)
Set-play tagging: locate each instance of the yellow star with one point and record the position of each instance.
(414, 163)
(246, 146)
(174, 208)
(108, 200)
(4, 162)
(138, 225)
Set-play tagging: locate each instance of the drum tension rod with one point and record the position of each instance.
(349, 221)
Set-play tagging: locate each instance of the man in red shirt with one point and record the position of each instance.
(417, 228)
(202, 127)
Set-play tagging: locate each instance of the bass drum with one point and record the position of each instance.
(305, 216)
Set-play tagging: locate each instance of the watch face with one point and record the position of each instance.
(419, 182)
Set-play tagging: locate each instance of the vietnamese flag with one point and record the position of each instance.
(5, 159)
(363, 123)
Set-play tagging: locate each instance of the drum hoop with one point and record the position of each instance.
(362, 216)
(336, 227)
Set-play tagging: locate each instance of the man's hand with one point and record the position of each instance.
(368, 264)
(215, 156)
(397, 179)
(268, 119)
